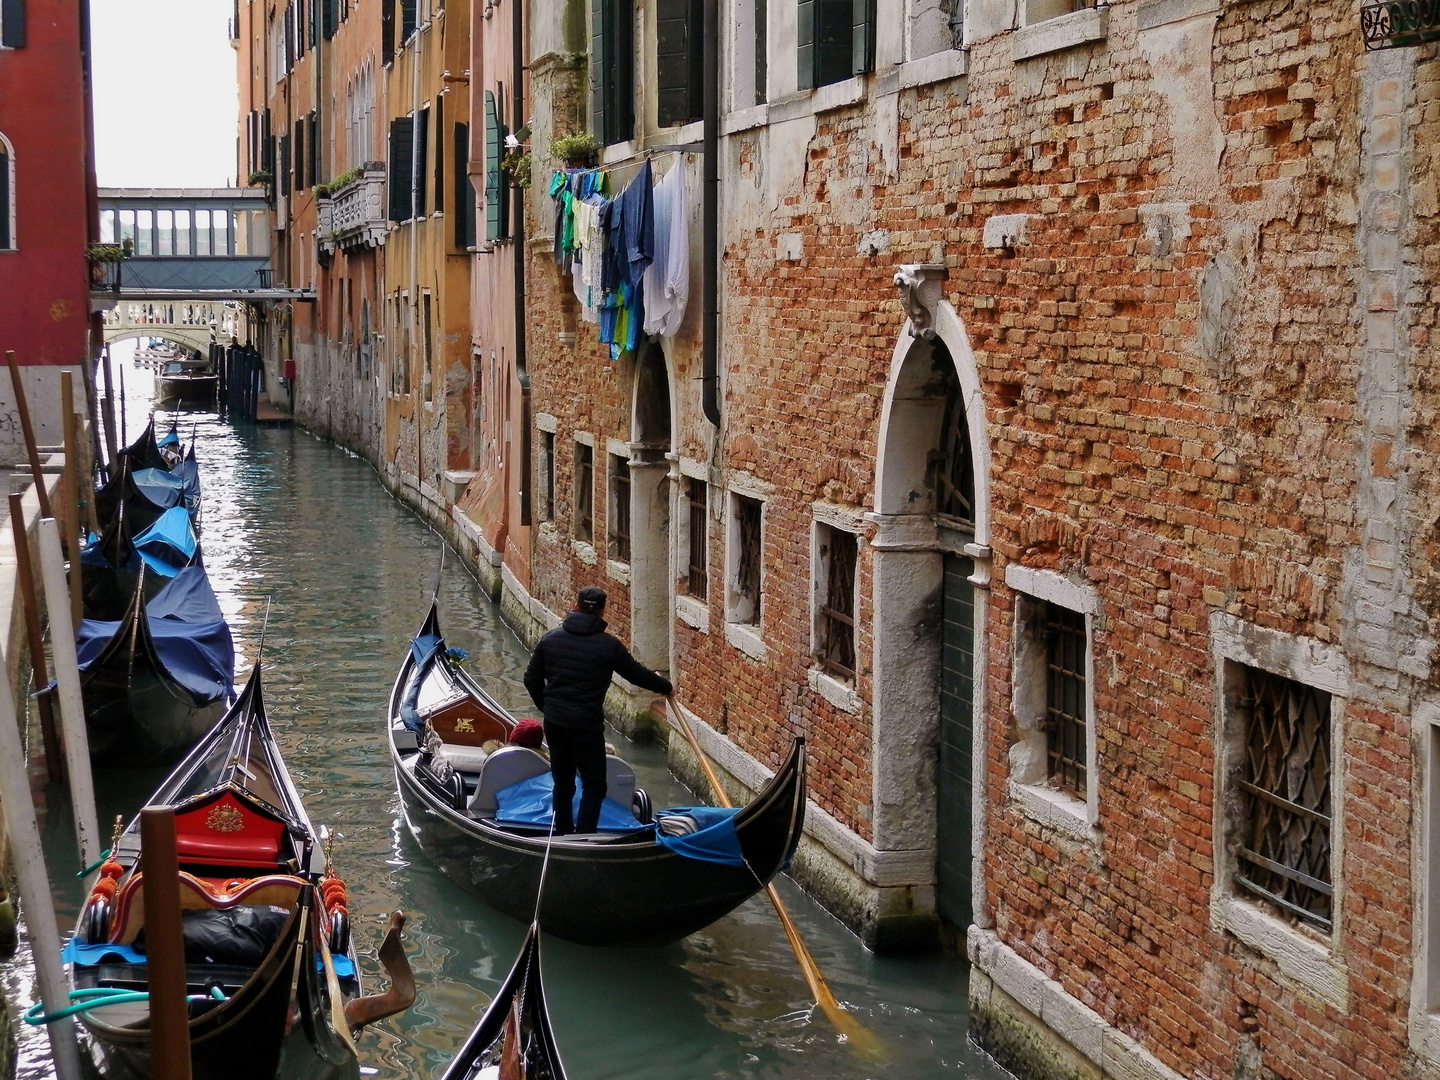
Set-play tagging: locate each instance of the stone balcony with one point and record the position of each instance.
(354, 216)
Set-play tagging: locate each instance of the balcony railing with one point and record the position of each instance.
(354, 216)
(1396, 24)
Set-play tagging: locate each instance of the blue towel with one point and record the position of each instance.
(715, 841)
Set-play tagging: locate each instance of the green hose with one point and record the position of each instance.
(98, 997)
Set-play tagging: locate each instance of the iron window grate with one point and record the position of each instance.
(619, 509)
(696, 492)
(1065, 728)
(584, 492)
(837, 614)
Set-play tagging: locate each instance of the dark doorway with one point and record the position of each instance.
(957, 712)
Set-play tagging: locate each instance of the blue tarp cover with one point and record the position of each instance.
(424, 649)
(188, 473)
(191, 636)
(162, 488)
(90, 955)
(529, 803)
(172, 438)
(715, 841)
(167, 545)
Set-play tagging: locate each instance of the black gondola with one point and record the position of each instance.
(514, 1034)
(610, 888)
(111, 564)
(157, 679)
(270, 966)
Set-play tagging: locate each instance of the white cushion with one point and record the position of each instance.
(464, 758)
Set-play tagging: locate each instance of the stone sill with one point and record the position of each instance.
(617, 571)
(583, 551)
(615, 152)
(1155, 13)
(746, 637)
(840, 695)
(1055, 810)
(693, 613)
(1307, 964)
(927, 70)
(838, 95)
(745, 119)
(1059, 33)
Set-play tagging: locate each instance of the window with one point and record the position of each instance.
(618, 518)
(835, 613)
(744, 556)
(7, 197)
(612, 66)
(836, 40)
(12, 24)
(183, 245)
(331, 17)
(697, 494)
(1283, 853)
(954, 471)
(439, 155)
(427, 345)
(1064, 724)
(678, 60)
(496, 190)
(1040, 10)
(422, 138)
(584, 492)
(312, 160)
(402, 149)
(387, 30)
(407, 19)
(546, 470)
(464, 197)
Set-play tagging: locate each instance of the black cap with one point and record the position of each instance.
(591, 599)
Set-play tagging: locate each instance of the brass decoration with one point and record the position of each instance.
(224, 818)
(465, 723)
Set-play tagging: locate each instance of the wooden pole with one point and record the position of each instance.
(25, 570)
(124, 435)
(73, 483)
(164, 946)
(23, 408)
(34, 882)
(107, 410)
(72, 706)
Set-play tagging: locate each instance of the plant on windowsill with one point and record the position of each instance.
(577, 151)
(516, 165)
(259, 178)
(345, 179)
(108, 253)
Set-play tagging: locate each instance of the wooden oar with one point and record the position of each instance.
(856, 1034)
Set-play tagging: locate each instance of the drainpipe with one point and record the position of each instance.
(417, 410)
(710, 223)
(522, 373)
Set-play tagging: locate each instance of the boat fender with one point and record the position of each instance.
(95, 921)
(640, 807)
(339, 933)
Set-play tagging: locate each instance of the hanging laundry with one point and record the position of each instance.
(667, 282)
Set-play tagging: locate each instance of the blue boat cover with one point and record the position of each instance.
(424, 649)
(162, 488)
(529, 803)
(188, 472)
(192, 639)
(172, 438)
(715, 841)
(167, 545)
(89, 955)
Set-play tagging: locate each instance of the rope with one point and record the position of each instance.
(545, 865)
(102, 996)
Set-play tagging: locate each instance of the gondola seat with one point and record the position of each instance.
(197, 894)
(504, 767)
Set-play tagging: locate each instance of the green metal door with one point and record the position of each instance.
(957, 696)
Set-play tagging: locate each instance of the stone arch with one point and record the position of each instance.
(196, 340)
(928, 579)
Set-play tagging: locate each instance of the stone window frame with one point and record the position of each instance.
(1028, 785)
(7, 204)
(748, 637)
(1044, 29)
(548, 427)
(584, 550)
(1425, 986)
(690, 610)
(833, 516)
(1307, 958)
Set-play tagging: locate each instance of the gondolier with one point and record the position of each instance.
(567, 677)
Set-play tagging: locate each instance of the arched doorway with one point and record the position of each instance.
(931, 564)
(650, 441)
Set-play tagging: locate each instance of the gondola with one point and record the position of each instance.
(157, 679)
(273, 985)
(627, 885)
(147, 483)
(514, 1035)
(110, 564)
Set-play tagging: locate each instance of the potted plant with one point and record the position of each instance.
(577, 151)
(259, 178)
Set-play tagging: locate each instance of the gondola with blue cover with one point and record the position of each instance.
(481, 812)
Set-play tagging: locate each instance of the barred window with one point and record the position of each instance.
(619, 516)
(1065, 727)
(836, 636)
(1284, 850)
(745, 586)
(697, 495)
(547, 476)
(584, 492)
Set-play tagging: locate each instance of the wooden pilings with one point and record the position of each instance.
(25, 570)
(164, 946)
(239, 370)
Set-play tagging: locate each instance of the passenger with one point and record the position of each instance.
(568, 677)
(530, 734)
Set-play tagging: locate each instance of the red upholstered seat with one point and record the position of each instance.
(197, 894)
(227, 832)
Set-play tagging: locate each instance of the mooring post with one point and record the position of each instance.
(34, 883)
(25, 570)
(74, 520)
(107, 411)
(23, 408)
(72, 705)
(164, 946)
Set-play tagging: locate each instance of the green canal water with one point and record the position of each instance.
(305, 530)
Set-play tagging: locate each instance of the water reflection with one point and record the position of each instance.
(304, 529)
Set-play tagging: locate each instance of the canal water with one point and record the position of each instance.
(303, 543)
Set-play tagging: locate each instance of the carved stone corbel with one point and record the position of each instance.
(920, 294)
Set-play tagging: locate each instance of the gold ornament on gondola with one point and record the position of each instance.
(224, 818)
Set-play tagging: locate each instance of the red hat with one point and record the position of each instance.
(527, 733)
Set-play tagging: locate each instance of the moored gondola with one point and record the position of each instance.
(513, 1037)
(639, 881)
(272, 981)
(157, 679)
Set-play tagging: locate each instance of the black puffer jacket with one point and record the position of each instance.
(571, 669)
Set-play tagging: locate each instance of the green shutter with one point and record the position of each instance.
(331, 17)
(407, 19)
(297, 181)
(674, 34)
(422, 147)
(387, 30)
(612, 62)
(464, 195)
(439, 155)
(313, 169)
(494, 188)
(599, 91)
(863, 37)
(402, 134)
(806, 14)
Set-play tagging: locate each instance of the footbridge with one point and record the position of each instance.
(184, 244)
(193, 324)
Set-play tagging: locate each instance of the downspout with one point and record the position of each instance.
(417, 411)
(710, 222)
(522, 373)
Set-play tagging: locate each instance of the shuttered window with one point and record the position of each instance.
(407, 19)
(331, 17)
(298, 180)
(12, 24)
(387, 29)
(312, 166)
(836, 40)
(612, 65)
(496, 190)
(402, 133)
(678, 60)
(282, 174)
(464, 197)
(439, 155)
(6, 241)
(422, 138)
